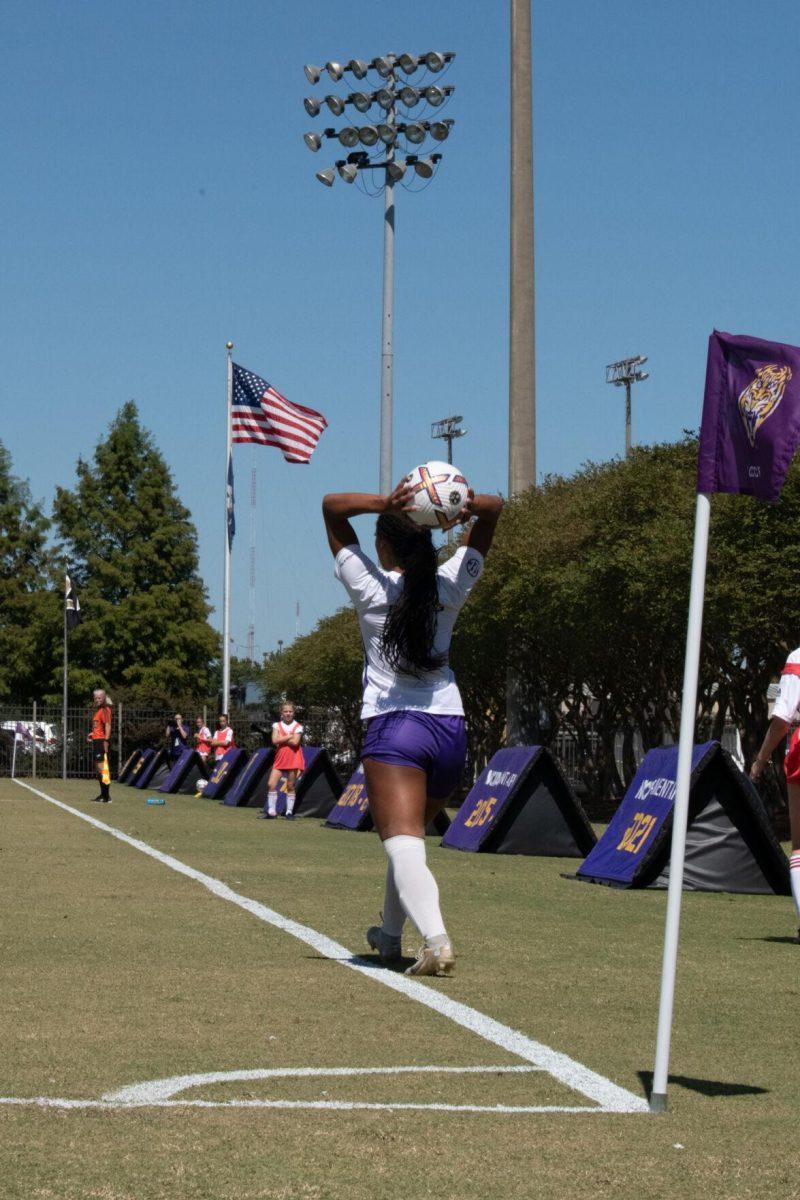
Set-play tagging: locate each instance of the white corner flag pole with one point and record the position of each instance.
(226, 581)
(658, 1095)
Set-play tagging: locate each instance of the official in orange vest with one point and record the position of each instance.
(99, 740)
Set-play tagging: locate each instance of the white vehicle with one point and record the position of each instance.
(46, 740)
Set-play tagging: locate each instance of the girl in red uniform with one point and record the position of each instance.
(289, 761)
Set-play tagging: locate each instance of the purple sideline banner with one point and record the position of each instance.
(488, 797)
(145, 757)
(176, 770)
(751, 416)
(351, 807)
(257, 767)
(224, 772)
(645, 806)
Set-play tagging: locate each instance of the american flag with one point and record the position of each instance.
(261, 414)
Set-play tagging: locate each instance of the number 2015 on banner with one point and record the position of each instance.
(481, 813)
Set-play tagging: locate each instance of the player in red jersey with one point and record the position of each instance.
(287, 735)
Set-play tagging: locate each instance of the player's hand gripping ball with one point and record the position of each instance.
(439, 494)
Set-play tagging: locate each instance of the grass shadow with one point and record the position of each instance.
(705, 1087)
(778, 941)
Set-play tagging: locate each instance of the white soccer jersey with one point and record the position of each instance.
(373, 591)
(787, 702)
(287, 730)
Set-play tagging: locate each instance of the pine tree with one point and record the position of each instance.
(28, 610)
(132, 550)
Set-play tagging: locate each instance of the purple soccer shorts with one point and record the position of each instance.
(435, 744)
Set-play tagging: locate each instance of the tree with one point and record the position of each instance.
(29, 606)
(323, 670)
(132, 549)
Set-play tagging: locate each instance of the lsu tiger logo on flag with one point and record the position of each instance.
(759, 401)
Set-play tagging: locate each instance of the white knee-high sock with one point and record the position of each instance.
(415, 885)
(394, 915)
(794, 875)
(290, 797)
(272, 803)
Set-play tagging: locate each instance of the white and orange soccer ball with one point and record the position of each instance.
(440, 492)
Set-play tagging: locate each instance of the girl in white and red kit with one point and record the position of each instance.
(287, 735)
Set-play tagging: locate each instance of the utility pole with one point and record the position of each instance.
(522, 357)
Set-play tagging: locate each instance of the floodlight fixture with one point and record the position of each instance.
(384, 65)
(415, 132)
(409, 96)
(387, 133)
(313, 74)
(358, 67)
(396, 169)
(348, 136)
(327, 176)
(368, 135)
(313, 140)
(361, 100)
(347, 171)
(425, 167)
(408, 63)
(335, 70)
(335, 104)
(440, 130)
(436, 61)
(385, 97)
(311, 106)
(437, 95)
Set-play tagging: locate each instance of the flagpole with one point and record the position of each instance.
(226, 583)
(64, 697)
(691, 669)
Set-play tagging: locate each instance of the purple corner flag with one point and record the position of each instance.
(751, 416)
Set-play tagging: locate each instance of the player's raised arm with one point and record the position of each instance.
(339, 507)
(487, 509)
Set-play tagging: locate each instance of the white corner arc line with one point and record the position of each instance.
(155, 1090)
(610, 1096)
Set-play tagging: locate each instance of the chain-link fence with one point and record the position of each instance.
(42, 736)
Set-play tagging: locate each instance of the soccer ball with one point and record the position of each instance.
(202, 784)
(440, 493)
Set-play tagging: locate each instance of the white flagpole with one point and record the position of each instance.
(658, 1095)
(64, 696)
(226, 584)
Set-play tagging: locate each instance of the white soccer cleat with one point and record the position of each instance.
(389, 948)
(434, 960)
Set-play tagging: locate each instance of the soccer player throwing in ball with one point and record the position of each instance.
(289, 761)
(786, 719)
(415, 745)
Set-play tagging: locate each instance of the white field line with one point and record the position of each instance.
(336, 1105)
(166, 1089)
(610, 1096)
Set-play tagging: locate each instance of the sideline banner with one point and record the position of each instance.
(633, 829)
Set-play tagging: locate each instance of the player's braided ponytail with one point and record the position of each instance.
(407, 639)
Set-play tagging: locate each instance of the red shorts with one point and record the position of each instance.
(791, 763)
(289, 758)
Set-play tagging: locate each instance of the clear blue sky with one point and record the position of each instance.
(158, 200)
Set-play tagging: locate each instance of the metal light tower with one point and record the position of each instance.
(623, 374)
(448, 430)
(394, 131)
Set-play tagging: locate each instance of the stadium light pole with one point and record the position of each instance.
(622, 374)
(398, 128)
(522, 311)
(522, 332)
(448, 429)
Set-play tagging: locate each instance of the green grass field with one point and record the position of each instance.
(119, 971)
